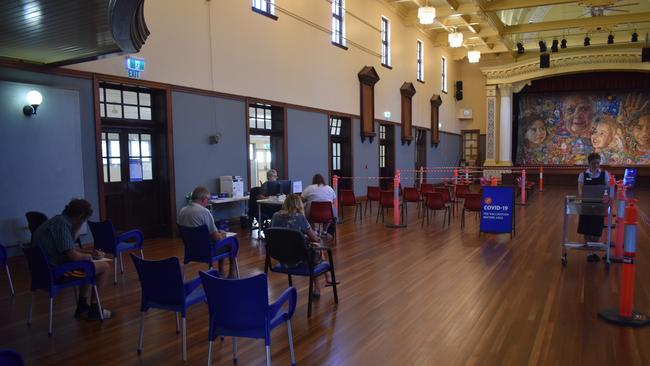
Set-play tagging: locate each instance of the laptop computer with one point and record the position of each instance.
(592, 200)
(593, 193)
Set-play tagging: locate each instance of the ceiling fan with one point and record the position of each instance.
(598, 8)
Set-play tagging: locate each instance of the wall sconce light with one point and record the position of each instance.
(34, 98)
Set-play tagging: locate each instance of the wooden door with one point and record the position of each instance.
(471, 147)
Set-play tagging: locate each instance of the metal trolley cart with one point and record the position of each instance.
(582, 206)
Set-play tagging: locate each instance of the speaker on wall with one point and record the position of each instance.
(645, 54)
(544, 61)
(459, 90)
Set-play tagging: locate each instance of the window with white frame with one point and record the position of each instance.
(266, 7)
(385, 41)
(338, 22)
(420, 61)
(443, 78)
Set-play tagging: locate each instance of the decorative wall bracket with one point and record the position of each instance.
(436, 101)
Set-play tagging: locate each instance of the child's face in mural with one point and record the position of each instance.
(640, 132)
(536, 133)
(578, 115)
(602, 137)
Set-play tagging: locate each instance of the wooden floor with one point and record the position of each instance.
(414, 296)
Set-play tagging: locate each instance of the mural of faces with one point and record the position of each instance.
(536, 133)
(640, 132)
(559, 128)
(578, 115)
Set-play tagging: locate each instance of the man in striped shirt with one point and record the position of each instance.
(57, 237)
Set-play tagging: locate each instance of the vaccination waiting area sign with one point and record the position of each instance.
(497, 214)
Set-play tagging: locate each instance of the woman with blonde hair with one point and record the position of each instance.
(292, 216)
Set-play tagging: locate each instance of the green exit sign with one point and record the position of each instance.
(134, 67)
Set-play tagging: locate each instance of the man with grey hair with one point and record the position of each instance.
(271, 176)
(196, 214)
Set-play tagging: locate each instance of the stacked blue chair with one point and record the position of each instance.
(288, 246)
(240, 308)
(9, 357)
(108, 241)
(200, 248)
(3, 262)
(163, 288)
(52, 279)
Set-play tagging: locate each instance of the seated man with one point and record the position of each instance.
(271, 176)
(57, 236)
(196, 214)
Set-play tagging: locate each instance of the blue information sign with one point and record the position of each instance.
(497, 215)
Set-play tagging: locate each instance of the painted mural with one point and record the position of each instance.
(565, 128)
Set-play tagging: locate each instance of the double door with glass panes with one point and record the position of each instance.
(132, 191)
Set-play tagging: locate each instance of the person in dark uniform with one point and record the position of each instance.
(591, 226)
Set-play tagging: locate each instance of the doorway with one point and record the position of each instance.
(134, 165)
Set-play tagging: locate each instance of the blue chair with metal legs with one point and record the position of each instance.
(3, 262)
(108, 241)
(53, 279)
(240, 308)
(9, 357)
(163, 288)
(199, 247)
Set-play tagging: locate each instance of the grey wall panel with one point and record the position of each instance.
(447, 153)
(308, 137)
(366, 159)
(85, 117)
(404, 158)
(196, 161)
(40, 156)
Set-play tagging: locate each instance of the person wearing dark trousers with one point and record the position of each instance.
(591, 226)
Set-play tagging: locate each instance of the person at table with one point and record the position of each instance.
(271, 176)
(591, 226)
(57, 237)
(318, 191)
(196, 214)
(292, 216)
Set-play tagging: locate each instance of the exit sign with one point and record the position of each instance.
(134, 67)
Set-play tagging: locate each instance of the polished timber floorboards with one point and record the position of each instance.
(414, 296)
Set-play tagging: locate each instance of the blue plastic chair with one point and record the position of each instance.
(162, 287)
(199, 247)
(9, 357)
(240, 308)
(107, 241)
(52, 279)
(288, 247)
(3, 262)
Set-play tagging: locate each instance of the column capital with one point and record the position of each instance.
(506, 90)
(491, 90)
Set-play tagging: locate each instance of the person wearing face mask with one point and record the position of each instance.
(57, 236)
(591, 226)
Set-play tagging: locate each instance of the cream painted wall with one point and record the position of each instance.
(474, 96)
(225, 46)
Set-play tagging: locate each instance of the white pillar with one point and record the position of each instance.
(491, 126)
(505, 125)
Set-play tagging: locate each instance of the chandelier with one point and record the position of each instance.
(426, 14)
(455, 39)
(473, 56)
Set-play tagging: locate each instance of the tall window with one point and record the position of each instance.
(385, 42)
(341, 149)
(382, 146)
(266, 7)
(420, 61)
(338, 22)
(443, 87)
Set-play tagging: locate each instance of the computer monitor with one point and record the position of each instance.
(285, 186)
(273, 188)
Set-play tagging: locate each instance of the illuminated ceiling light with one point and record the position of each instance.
(473, 56)
(455, 39)
(426, 14)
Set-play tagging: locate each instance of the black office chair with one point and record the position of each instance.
(253, 211)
